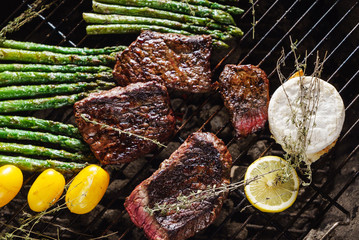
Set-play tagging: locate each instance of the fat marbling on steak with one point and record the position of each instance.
(139, 108)
(245, 92)
(177, 61)
(201, 161)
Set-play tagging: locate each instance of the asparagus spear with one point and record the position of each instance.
(54, 58)
(233, 30)
(57, 49)
(137, 28)
(227, 8)
(63, 141)
(32, 164)
(31, 150)
(155, 13)
(40, 103)
(34, 123)
(12, 78)
(147, 12)
(179, 7)
(12, 92)
(18, 67)
(128, 28)
(94, 18)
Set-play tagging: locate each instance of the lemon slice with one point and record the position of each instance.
(270, 192)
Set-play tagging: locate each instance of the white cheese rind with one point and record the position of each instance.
(329, 117)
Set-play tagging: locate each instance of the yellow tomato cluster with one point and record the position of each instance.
(84, 193)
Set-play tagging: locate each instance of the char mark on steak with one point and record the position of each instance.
(202, 161)
(177, 61)
(139, 108)
(245, 92)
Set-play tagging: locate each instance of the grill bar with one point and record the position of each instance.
(259, 20)
(313, 223)
(352, 127)
(344, 62)
(349, 81)
(312, 29)
(329, 199)
(332, 29)
(290, 30)
(236, 209)
(269, 31)
(329, 181)
(276, 225)
(241, 228)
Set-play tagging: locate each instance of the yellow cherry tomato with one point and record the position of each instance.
(46, 190)
(87, 189)
(11, 179)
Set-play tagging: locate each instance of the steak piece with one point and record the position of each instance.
(139, 108)
(202, 161)
(245, 92)
(177, 61)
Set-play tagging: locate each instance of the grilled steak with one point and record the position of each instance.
(245, 92)
(201, 161)
(177, 61)
(140, 108)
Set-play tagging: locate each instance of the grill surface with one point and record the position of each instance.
(331, 200)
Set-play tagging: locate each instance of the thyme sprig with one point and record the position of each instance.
(193, 13)
(303, 118)
(27, 228)
(254, 21)
(196, 197)
(28, 224)
(104, 125)
(33, 11)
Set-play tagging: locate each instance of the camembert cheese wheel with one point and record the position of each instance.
(325, 122)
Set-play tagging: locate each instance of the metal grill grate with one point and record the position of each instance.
(317, 26)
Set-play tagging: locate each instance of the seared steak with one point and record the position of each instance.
(202, 161)
(140, 108)
(177, 61)
(245, 92)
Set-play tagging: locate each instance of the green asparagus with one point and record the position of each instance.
(18, 67)
(40, 103)
(13, 78)
(32, 164)
(58, 49)
(179, 7)
(232, 30)
(128, 28)
(33, 123)
(137, 28)
(155, 13)
(65, 142)
(20, 55)
(38, 151)
(148, 12)
(227, 8)
(27, 91)
(94, 18)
